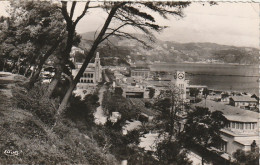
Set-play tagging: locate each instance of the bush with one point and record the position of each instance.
(171, 152)
(148, 104)
(247, 158)
(82, 110)
(36, 102)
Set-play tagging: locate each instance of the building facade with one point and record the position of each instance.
(140, 72)
(243, 102)
(180, 82)
(92, 74)
(242, 128)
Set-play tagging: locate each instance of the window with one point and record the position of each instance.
(233, 124)
(223, 146)
(253, 125)
(228, 125)
(241, 125)
(237, 125)
(247, 125)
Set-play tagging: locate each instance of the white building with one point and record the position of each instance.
(241, 130)
(243, 101)
(92, 74)
(180, 82)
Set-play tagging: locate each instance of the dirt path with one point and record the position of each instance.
(99, 115)
(6, 83)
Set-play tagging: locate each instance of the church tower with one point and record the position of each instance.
(98, 69)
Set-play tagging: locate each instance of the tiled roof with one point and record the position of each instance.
(230, 112)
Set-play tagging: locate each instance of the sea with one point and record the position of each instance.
(227, 77)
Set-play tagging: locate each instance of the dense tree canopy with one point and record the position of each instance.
(247, 158)
(30, 31)
(203, 127)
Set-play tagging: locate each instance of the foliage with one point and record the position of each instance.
(202, 128)
(117, 103)
(236, 55)
(22, 131)
(205, 92)
(139, 156)
(124, 147)
(246, 158)
(151, 92)
(118, 91)
(79, 57)
(224, 95)
(171, 152)
(147, 104)
(36, 102)
(126, 14)
(169, 107)
(31, 29)
(194, 92)
(82, 110)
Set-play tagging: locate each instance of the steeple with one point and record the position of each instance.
(98, 69)
(97, 55)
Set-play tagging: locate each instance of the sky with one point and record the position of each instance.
(226, 23)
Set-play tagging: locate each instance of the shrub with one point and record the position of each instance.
(82, 110)
(36, 102)
(148, 104)
(171, 152)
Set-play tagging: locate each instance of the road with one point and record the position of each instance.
(100, 117)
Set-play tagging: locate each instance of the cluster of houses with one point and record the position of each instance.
(242, 129)
(240, 109)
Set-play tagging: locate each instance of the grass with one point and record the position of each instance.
(36, 143)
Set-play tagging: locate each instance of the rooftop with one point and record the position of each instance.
(159, 83)
(90, 65)
(197, 86)
(230, 112)
(247, 142)
(243, 98)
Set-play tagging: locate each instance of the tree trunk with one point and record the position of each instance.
(4, 65)
(52, 86)
(202, 161)
(37, 72)
(68, 94)
(27, 70)
(66, 98)
(34, 76)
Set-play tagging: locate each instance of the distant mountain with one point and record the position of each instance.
(122, 51)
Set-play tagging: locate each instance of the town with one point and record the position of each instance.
(142, 86)
(129, 83)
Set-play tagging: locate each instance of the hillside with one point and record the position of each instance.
(170, 51)
(26, 139)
